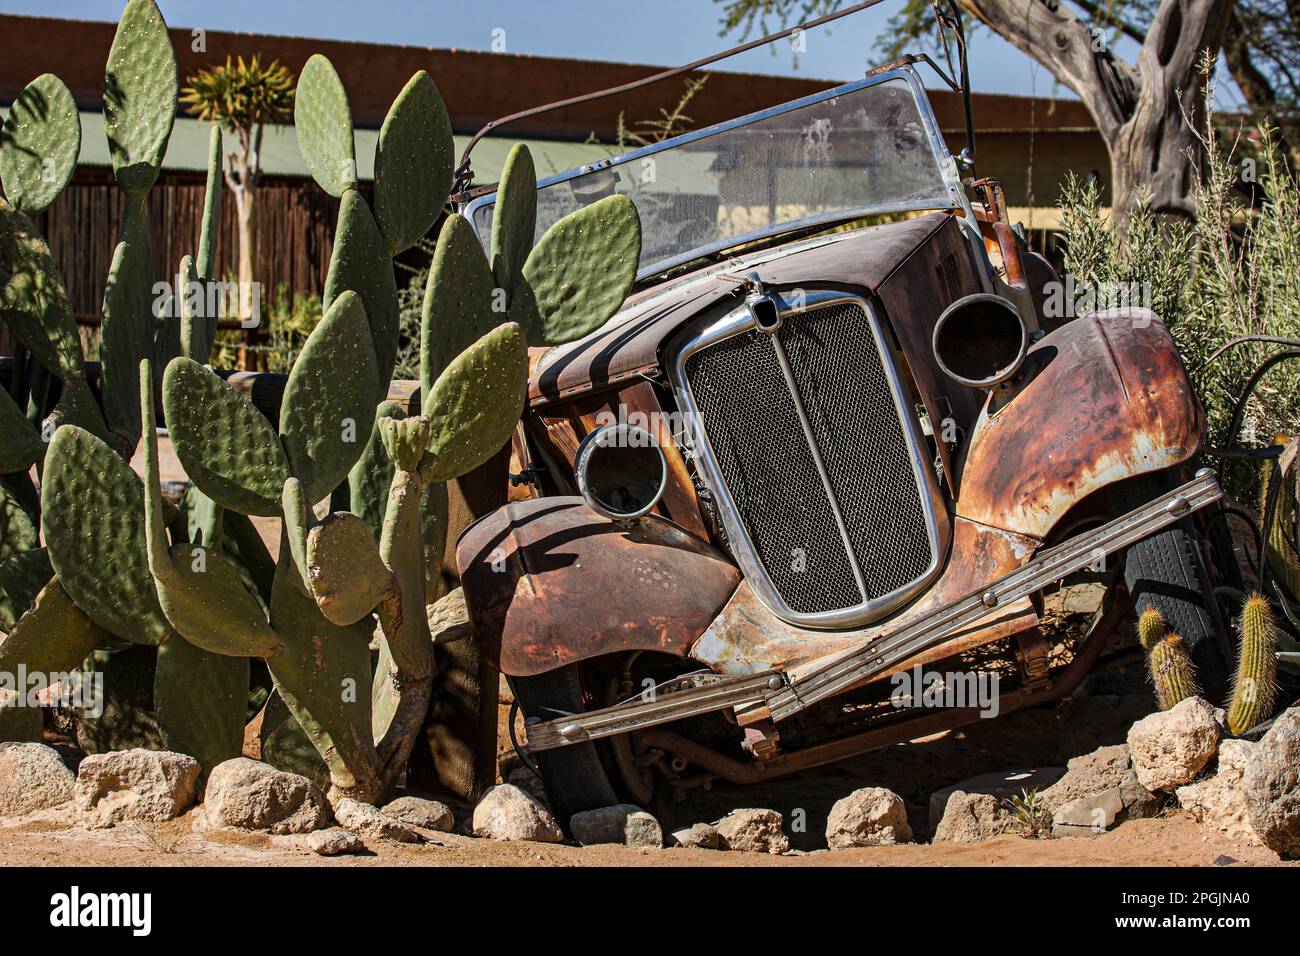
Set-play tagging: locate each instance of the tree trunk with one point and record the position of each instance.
(1143, 113)
(247, 290)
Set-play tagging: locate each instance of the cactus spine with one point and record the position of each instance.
(1254, 689)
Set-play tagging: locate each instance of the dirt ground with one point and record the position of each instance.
(1035, 738)
(1173, 841)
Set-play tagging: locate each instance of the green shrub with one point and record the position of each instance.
(1233, 271)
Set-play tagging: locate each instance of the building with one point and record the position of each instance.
(1030, 143)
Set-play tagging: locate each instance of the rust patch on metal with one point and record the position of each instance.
(746, 637)
(1107, 398)
(549, 582)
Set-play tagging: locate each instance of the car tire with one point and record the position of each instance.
(1166, 572)
(574, 777)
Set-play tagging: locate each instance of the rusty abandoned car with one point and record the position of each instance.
(835, 433)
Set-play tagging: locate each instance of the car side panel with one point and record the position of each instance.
(1107, 398)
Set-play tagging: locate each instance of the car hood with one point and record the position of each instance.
(630, 343)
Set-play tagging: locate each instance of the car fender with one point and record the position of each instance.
(1103, 398)
(549, 582)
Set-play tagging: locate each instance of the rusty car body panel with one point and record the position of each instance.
(533, 568)
(747, 638)
(1104, 398)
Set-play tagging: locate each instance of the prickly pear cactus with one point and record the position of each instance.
(413, 164)
(140, 90)
(579, 272)
(200, 700)
(328, 409)
(1254, 690)
(476, 402)
(42, 140)
(92, 506)
(201, 593)
(20, 443)
(458, 298)
(323, 120)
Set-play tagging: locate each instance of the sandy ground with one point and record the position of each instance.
(1173, 841)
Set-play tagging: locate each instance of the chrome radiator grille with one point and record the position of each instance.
(819, 473)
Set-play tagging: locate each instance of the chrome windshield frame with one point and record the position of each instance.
(947, 166)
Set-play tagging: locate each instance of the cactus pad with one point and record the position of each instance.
(140, 91)
(20, 443)
(348, 577)
(413, 164)
(201, 593)
(370, 477)
(475, 404)
(323, 120)
(54, 637)
(33, 300)
(22, 576)
(579, 273)
(405, 440)
(324, 678)
(40, 144)
(328, 410)
(360, 263)
(92, 508)
(206, 263)
(17, 525)
(128, 329)
(200, 700)
(225, 444)
(514, 218)
(458, 300)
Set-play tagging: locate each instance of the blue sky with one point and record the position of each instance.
(666, 32)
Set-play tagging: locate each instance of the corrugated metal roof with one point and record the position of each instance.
(187, 150)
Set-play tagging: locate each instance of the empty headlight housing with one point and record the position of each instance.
(621, 471)
(980, 340)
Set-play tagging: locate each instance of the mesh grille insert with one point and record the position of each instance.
(855, 423)
(753, 426)
(762, 453)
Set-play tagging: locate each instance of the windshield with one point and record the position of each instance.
(862, 149)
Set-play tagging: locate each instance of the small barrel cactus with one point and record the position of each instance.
(1254, 689)
(1168, 661)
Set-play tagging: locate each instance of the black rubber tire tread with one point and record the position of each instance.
(574, 776)
(1166, 572)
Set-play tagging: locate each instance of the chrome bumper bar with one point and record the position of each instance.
(784, 695)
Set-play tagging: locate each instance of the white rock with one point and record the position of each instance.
(32, 778)
(969, 818)
(1272, 785)
(508, 813)
(1220, 801)
(1171, 747)
(371, 823)
(755, 831)
(702, 836)
(331, 842)
(250, 795)
(622, 823)
(144, 785)
(872, 816)
(419, 812)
